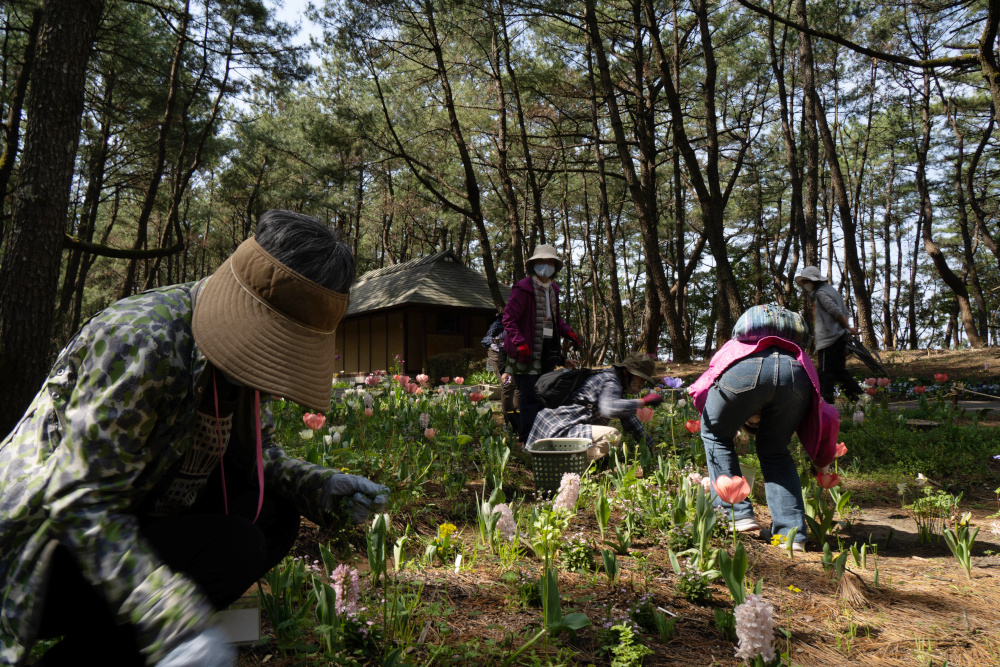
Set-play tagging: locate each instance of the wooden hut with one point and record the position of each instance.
(415, 309)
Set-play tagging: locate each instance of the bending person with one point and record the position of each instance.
(765, 370)
(588, 410)
(142, 490)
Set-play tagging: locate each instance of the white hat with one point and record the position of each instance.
(545, 251)
(810, 273)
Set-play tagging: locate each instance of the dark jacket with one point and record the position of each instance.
(519, 316)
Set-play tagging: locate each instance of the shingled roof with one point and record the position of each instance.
(436, 280)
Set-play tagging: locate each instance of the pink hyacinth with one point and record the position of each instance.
(347, 586)
(755, 629)
(569, 491)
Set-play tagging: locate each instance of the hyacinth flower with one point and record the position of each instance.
(569, 492)
(755, 630)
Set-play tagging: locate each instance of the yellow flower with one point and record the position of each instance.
(777, 540)
(445, 530)
(794, 589)
(344, 469)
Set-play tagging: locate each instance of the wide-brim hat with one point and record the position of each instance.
(810, 273)
(639, 364)
(270, 328)
(545, 251)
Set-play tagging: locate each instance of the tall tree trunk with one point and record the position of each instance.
(29, 275)
(950, 278)
(888, 323)
(810, 227)
(12, 129)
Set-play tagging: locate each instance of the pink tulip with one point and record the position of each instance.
(693, 425)
(827, 480)
(870, 382)
(314, 421)
(475, 397)
(459, 380)
(422, 379)
(371, 380)
(645, 415)
(940, 377)
(429, 433)
(883, 382)
(731, 490)
(369, 412)
(871, 391)
(841, 449)
(411, 387)
(919, 389)
(445, 379)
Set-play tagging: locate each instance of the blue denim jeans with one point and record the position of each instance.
(775, 383)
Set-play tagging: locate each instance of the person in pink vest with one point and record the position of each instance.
(764, 372)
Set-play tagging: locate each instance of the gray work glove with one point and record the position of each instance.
(366, 496)
(208, 648)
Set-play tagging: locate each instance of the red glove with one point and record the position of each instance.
(651, 399)
(523, 353)
(574, 338)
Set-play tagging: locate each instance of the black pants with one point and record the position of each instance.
(833, 371)
(530, 405)
(223, 554)
(510, 397)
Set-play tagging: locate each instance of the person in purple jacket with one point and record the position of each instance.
(533, 329)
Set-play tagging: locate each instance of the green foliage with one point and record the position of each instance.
(627, 653)
(960, 543)
(931, 512)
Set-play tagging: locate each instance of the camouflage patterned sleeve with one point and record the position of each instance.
(115, 388)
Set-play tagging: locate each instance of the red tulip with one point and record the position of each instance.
(731, 490)
(940, 377)
(475, 397)
(445, 380)
(693, 425)
(883, 382)
(827, 480)
(314, 421)
(645, 415)
(919, 389)
(841, 449)
(871, 391)
(870, 382)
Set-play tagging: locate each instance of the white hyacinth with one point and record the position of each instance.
(859, 417)
(569, 491)
(695, 478)
(425, 420)
(505, 524)
(755, 628)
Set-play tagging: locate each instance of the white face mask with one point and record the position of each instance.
(544, 270)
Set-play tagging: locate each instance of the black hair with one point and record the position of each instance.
(308, 247)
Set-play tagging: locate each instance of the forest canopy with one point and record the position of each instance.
(688, 158)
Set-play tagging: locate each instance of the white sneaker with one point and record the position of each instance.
(746, 525)
(799, 546)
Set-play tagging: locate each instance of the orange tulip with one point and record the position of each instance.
(693, 425)
(841, 449)
(731, 490)
(645, 415)
(314, 421)
(827, 480)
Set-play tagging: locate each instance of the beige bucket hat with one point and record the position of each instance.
(545, 251)
(639, 364)
(269, 327)
(810, 273)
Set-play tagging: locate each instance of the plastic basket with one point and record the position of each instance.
(553, 457)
